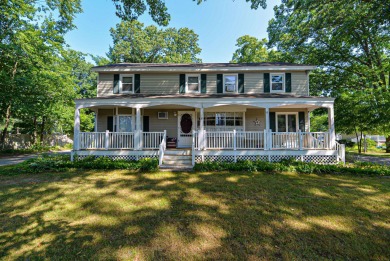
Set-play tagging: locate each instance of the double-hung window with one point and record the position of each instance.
(193, 83)
(230, 83)
(126, 84)
(277, 82)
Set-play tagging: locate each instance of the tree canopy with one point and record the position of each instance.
(133, 42)
(350, 42)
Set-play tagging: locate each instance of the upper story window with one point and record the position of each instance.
(230, 83)
(277, 82)
(126, 84)
(193, 83)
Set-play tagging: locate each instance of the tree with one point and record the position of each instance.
(133, 42)
(129, 10)
(252, 50)
(350, 41)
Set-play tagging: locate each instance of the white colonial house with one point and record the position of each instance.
(188, 113)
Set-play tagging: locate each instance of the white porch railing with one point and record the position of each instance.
(300, 140)
(121, 140)
(233, 140)
(152, 140)
(162, 148)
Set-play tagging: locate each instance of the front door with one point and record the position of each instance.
(185, 126)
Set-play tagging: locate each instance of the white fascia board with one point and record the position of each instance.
(205, 102)
(199, 70)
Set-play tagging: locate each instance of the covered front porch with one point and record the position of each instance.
(223, 129)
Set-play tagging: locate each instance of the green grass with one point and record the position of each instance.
(371, 151)
(35, 149)
(122, 215)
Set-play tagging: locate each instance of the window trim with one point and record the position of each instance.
(287, 113)
(193, 75)
(284, 82)
(223, 80)
(120, 83)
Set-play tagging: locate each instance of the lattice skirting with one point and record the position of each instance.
(119, 157)
(318, 159)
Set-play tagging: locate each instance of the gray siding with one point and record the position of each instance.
(155, 124)
(160, 83)
(168, 83)
(105, 84)
(299, 83)
(250, 117)
(102, 119)
(253, 83)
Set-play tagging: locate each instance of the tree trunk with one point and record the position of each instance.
(7, 121)
(34, 134)
(388, 144)
(42, 130)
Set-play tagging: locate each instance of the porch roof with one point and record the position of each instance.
(261, 100)
(206, 96)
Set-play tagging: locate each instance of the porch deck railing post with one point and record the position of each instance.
(165, 139)
(204, 140)
(300, 139)
(270, 139)
(106, 140)
(193, 148)
(265, 140)
(76, 133)
(235, 144)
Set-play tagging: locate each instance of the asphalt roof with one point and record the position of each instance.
(197, 65)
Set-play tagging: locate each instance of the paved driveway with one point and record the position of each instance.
(373, 159)
(11, 160)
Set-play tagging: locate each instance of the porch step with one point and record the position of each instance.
(177, 152)
(177, 160)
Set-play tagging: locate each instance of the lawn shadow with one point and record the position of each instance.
(127, 215)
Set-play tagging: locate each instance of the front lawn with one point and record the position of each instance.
(125, 215)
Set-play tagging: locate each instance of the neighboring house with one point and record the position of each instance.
(214, 111)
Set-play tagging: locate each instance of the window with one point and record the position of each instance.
(193, 82)
(277, 82)
(230, 83)
(286, 122)
(126, 83)
(224, 121)
(162, 115)
(124, 123)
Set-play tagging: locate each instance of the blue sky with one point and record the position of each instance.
(217, 22)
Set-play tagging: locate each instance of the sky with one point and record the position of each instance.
(219, 23)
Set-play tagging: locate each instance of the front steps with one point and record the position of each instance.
(177, 159)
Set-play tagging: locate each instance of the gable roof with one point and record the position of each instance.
(201, 67)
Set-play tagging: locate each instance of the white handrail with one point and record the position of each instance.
(162, 148)
(193, 148)
(152, 140)
(340, 148)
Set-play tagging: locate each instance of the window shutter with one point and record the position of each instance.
(301, 120)
(137, 83)
(182, 88)
(272, 121)
(116, 83)
(241, 83)
(110, 123)
(266, 82)
(288, 82)
(219, 83)
(203, 83)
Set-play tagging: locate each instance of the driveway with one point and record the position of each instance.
(373, 159)
(15, 159)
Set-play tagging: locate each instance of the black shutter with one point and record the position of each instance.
(137, 83)
(146, 124)
(182, 88)
(116, 83)
(241, 83)
(266, 82)
(301, 120)
(288, 82)
(110, 123)
(203, 83)
(219, 83)
(272, 121)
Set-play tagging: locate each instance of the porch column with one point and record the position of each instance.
(331, 127)
(137, 133)
(76, 133)
(201, 139)
(266, 131)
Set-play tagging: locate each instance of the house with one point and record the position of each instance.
(206, 112)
